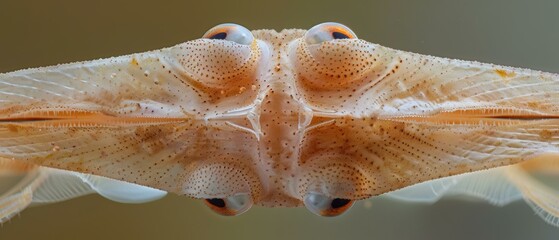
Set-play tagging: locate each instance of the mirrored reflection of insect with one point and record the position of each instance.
(316, 118)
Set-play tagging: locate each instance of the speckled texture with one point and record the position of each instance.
(277, 118)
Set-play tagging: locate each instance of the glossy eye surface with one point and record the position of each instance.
(334, 67)
(322, 205)
(230, 32)
(328, 31)
(230, 206)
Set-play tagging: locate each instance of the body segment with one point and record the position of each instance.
(286, 118)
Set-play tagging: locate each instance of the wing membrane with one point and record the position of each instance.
(491, 185)
(27, 185)
(19, 181)
(394, 154)
(421, 85)
(159, 156)
(541, 193)
(135, 85)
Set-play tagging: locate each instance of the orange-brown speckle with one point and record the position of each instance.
(278, 118)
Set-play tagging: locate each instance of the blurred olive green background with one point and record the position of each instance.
(40, 33)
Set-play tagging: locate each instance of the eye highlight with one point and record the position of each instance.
(327, 32)
(322, 205)
(230, 32)
(230, 206)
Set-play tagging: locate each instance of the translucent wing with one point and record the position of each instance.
(103, 92)
(25, 185)
(535, 181)
(143, 118)
(395, 118)
(113, 86)
(491, 185)
(389, 155)
(175, 82)
(521, 106)
(538, 180)
(362, 79)
(61, 185)
(17, 186)
(120, 191)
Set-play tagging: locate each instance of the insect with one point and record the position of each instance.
(317, 118)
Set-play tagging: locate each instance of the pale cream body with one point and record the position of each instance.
(277, 119)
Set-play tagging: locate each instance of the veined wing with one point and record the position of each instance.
(145, 118)
(361, 79)
(538, 181)
(385, 155)
(535, 181)
(491, 185)
(408, 118)
(24, 185)
(175, 82)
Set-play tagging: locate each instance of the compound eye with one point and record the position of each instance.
(327, 32)
(322, 205)
(230, 32)
(230, 206)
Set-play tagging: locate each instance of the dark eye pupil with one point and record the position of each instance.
(339, 202)
(339, 35)
(218, 202)
(221, 35)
